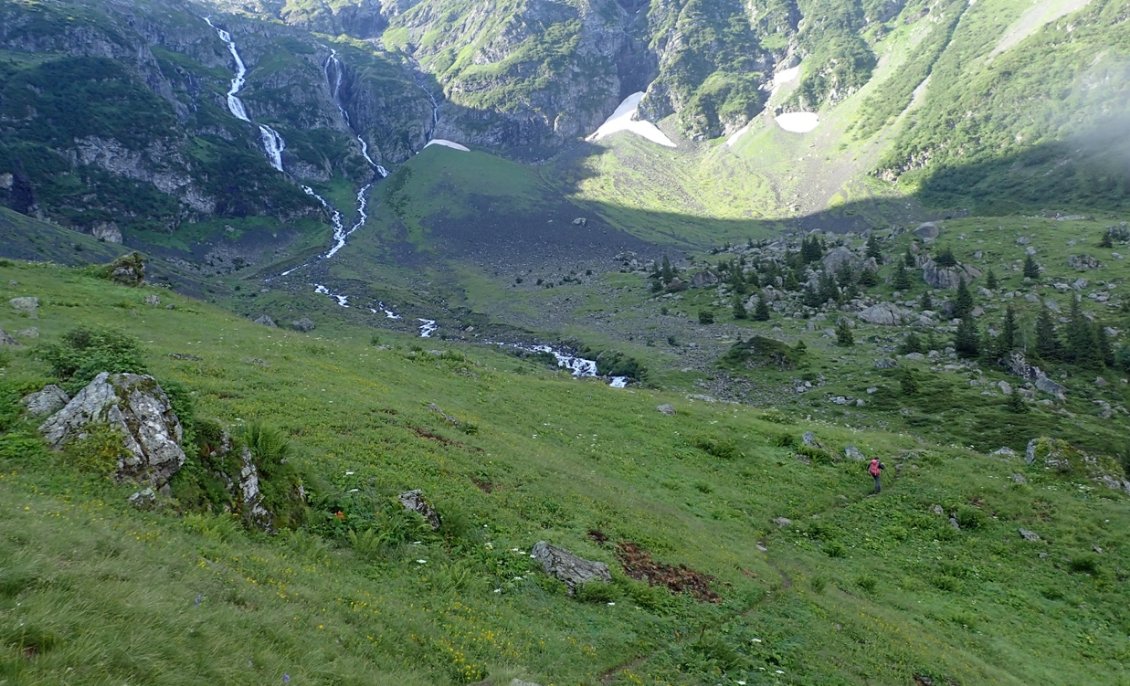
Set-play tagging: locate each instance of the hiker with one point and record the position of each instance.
(875, 468)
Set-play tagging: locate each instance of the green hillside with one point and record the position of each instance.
(856, 589)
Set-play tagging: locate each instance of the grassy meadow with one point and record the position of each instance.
(857, 589)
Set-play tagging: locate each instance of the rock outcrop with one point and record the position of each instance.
(574, 571)
(47, 401)
(414, 500)
(135, 406)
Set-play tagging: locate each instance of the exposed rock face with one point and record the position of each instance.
(1016, 363)
(252, 496)
(947, 277)
(107, 232)
(137, 408)
(47, 401)
(567, 567)
(414, 500)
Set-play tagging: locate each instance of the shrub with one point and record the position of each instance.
(83, 353)
(721, 448)
(1084, 564)
(595, 592)
(98, 451)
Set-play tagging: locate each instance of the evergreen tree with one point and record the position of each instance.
(991, 281)
(1082, 344)
(963, 301)
(967, 340)
(810, 298)
(1031, 269)
(739, 308)
(926, 302)
(911, 344)
(791, 282)
(761, 310)
(844, 337)
(667, 272)
(1106, 241)
(901, 281)
(751, 279)
(868, 278)
(737, 280)
(1048, 347)
(811, 249)
(908, 259)
(1007, 340)
(1105, 349)
(908, 381)
(828, 290)
(845, 275)
(946, 258)
(873, 249)
(1016, 402)
(706, 316)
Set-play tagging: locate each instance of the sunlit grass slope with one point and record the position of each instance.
(857, 590)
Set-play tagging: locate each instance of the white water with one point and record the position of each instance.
(335, 90)
(427, 327)
(273, 144)
(447, 144)
(625, 119)
(342, 300)
(235, 105)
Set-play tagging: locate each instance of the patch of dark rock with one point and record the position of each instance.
(186, 356)
(638, 564)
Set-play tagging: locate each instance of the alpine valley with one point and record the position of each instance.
(519, 342)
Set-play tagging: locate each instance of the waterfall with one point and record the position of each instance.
(334, 74)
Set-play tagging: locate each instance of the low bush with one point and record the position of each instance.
(83, 353)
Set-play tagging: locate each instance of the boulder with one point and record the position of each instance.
(136, 407)
(783, 522)
(153, 300)
(927, 231)
(107, 232)
(265, 320)
(1019, 479)
(704, 278)
(886, 363)
(666, 409)
(5, 339)
(1028, 535)
(853, 453)
(304, 324)
(145, 499)
(837, 257)
(414, 500)
(883, 314)
(572, 570)
(128, 270)
(947, 277)
(27, 304)
(809, 440)
(1016, 363)
(47, 401)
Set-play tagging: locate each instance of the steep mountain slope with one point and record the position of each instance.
(931, 580)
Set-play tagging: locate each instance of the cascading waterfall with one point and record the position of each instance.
(274, 145)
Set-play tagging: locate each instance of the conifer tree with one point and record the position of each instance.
(991, 281)
(1016, 401)
(1031, 269)
(828, 290)
(926, 302)
(873, 249)
(810, 298)
(1105, 349)
(908, 258)
(761, 310)
(963, 301)
(667, 272)
(901, 281)
(1006, 342)
(737, 280)
(868, 278)
(739, 307)
(1082, 345)
(844, 337)
(946, 258)
(967, 339)
(1048, 346)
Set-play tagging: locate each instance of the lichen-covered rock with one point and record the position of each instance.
(27, 304)
(414, 500)
(574, 571)
(884, 314)
(137, 408)
(252, 506)
(47, 401)
(666, 409)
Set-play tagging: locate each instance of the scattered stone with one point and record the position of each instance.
(782, 522)
(572, 570)
(1083, 262)
(1004, 451)
(666, 409)
(186, 356)
(581, 221)
(5, 339)
(809, 440)
(28, 305)
(1027, 535)
(414, 500)
(954, 523)
(886, 363)
(47, 401)
(937, 509)
(136, 407)
(853, 453)
(304, 325)
(1098, 549)
(1019, 479)
(153, 300)
(31, 332)
(145, 499)
(265, 320)
(1006, 388)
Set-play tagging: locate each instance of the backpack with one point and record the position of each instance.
(875, 468)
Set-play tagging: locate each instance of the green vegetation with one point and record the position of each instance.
(339, 594)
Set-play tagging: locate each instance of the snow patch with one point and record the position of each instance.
(447, 144)
(798, 122)
(785, 76)
(625, 119)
